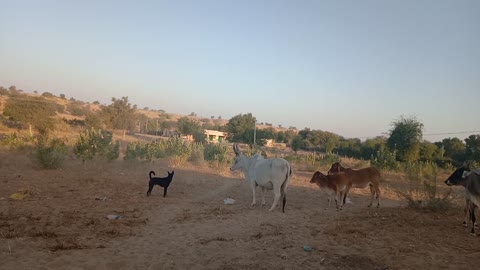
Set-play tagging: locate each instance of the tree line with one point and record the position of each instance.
(404, 142)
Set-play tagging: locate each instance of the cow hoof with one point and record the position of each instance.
(465, 224)
(253, 205)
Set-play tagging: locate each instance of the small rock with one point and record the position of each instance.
(112, 217)
(308, 248)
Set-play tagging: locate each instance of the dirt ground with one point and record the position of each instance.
(62, 224)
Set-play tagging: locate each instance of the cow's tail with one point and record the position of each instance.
(283, 188)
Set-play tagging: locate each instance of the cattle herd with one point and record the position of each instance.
(275, 174)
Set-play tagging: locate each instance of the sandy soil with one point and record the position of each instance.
(62, 224)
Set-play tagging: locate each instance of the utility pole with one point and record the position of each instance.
(254, 132)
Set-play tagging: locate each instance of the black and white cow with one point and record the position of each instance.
(470, 179)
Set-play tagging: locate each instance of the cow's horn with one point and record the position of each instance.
(235, 149)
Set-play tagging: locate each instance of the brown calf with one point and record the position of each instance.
(335, 183)
(360, 179)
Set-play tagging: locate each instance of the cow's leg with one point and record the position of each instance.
(339, 200)
(377, 191)
(276, 191)
(254, 201)
(263, 196)
(372, 195)
(345, 193)
(472, 217)
(329, 200)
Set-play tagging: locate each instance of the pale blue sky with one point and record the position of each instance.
(350, 67)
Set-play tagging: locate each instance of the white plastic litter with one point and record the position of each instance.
(112, 217)
(348, 200)
(229, 201)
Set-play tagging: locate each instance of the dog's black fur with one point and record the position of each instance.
(161, 181)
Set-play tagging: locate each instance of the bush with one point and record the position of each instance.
(96, 143)
(219, 152)
(13, 141)
(422, 189)
(197, 153)
(51, 153)
(113, 151)
(385, 160)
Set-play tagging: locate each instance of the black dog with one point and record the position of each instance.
(161, 181)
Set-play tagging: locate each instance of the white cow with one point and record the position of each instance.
(267, 173)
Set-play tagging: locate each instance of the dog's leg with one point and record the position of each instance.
(150, 187)
(165, 191)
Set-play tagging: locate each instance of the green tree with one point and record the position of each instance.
(296, 143)
(187, 126)
(405, 138)
(472, 146)
(240, 128)
(120, 114)
(429, 151)
(93, 120)
(371, 147)
(331, 141)
(454, 149)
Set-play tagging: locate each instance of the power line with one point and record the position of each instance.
(427, 134)
(449, 133)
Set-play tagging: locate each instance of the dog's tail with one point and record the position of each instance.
(150, 174)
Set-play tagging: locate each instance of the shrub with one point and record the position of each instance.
(51, 153)
(197, 153)
(219, 152)
(12, 140)
(96, 143)
(113, 151)
(385, 160)
(422, 189)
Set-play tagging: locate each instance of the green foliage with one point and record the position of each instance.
(405, 137)
(77, 109)
(120, 114)
(51, 154)
(173, 147)
(13, 141)
(36, 111)
(93, 120)
(454, 149)
(48, 95)
(188, 126)
(3, 91)
(197, 153)
(472, 146)
(240, 128)
(296, 143)
(422, 187)
(113, 151)
(219, 152)
(385, 160)
(96, 143)
(430, 151)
